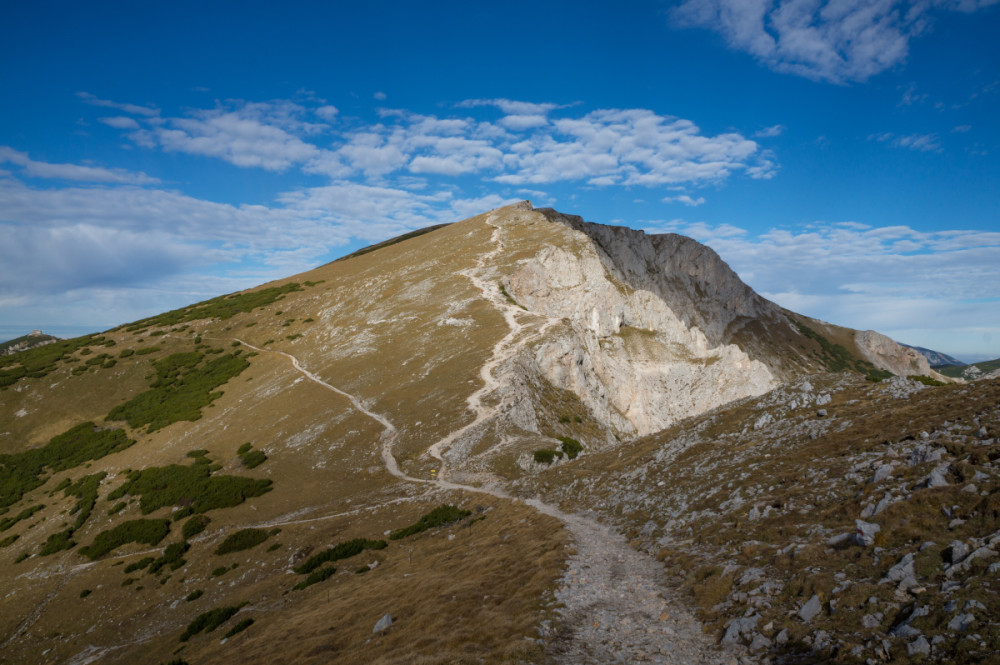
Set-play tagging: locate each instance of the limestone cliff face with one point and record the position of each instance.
(885, 353)
(638, 324)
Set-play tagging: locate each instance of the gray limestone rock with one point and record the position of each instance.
(865, 533)
(382, 624)
(812, 607)
(962, 622)
(739, 628)
(919, 646)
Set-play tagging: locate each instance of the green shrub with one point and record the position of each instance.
(180, 391)
(117, 508)
(85, 490)
(125, 353)
(244, 449)
(172, 556)
(41, 360)
(220, 571)
(253, 459)
(10, 540)
(570, 446)
(194, 595)
(149, 532)
(443, 514)
(274, 546)
(193, 485)
(340, 551)
(926, 380)
(8, 522)
(85, 593)
(223, 307)
(194, 526)
(209, 621)
(58, 542)
(146, 350)
(239, 628)
(315, 577)
(138, 565)
(546, 456)
(243, 539)
(23, 472)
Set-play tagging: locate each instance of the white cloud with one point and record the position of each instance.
(769, 132)
(830, 40)
(685, 199)
(249, 135)
(379, 95)
(626, 146)
(961, 129)
(76, 172)
(327, 112)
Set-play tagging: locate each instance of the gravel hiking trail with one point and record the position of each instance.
(615, 606)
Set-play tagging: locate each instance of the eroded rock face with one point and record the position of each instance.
(886, 354)
(633, 354)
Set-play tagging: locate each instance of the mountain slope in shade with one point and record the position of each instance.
(289, 454)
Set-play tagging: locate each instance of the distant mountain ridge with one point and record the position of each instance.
(936, 359)
(25, 342)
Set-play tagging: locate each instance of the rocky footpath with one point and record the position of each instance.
(830, 520)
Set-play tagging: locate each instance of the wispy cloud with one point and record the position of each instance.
(919, 142)
(76, 172)
(769, 132)
(136, 109)
(833, 40)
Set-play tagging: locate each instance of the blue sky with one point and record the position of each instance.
(843, 157)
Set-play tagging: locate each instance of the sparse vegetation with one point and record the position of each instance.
(510, 298)
(440, 516)
(8, 522)
(243, 539)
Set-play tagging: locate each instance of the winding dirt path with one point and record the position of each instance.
(616, 607)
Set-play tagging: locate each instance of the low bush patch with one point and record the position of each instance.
(148, 532)
(443, 514)
(243, 539)
(340, 551)
(209, 621)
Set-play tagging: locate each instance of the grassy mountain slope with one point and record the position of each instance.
(266, 423)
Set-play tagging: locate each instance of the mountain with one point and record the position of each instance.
(499, 433)
(936, 358)
(972, 371)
